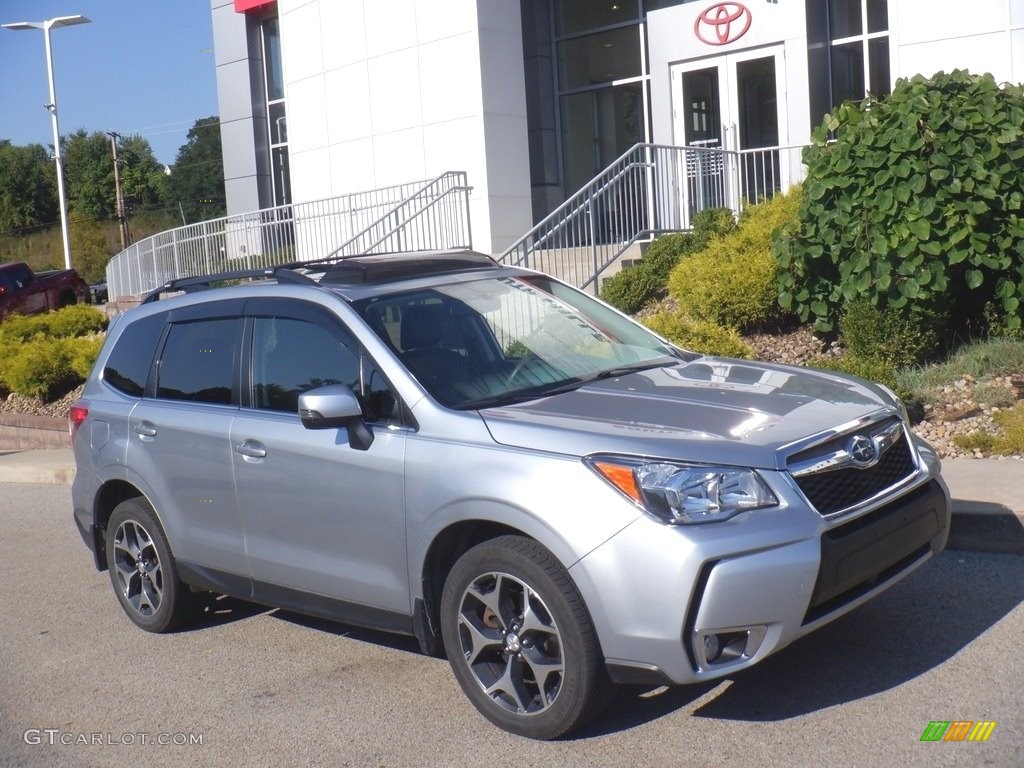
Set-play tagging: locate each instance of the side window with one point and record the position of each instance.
(198, 361)
(127, 367)
(20, 276)
(291, 356)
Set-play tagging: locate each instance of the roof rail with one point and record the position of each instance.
(283, 274)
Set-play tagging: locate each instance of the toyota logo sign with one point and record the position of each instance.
(722, 23)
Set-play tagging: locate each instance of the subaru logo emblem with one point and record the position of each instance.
(862, 450)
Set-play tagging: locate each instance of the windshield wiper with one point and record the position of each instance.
(570, 385)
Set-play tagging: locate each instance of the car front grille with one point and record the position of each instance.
(832, 490)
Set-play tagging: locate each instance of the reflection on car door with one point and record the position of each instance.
(322, 518)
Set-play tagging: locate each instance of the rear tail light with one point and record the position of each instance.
(77, 414)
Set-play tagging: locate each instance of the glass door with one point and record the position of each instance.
(727, 108)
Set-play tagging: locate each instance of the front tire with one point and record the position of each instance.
(520, 639)
(142, 570)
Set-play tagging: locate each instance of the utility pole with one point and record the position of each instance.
(122, 218)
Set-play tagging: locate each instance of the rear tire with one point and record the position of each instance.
(520, 640)
(142, 569)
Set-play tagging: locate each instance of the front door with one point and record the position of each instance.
(728, 109)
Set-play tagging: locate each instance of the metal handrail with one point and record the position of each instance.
(463, 187)
(649, 189)
(295, 232)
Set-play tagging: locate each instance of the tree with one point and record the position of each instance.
(89, 173)
(28, 196)
(197, 177)
(89, 249)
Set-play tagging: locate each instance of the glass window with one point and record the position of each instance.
(127, 368)
(847, 72)
(878, 15)
(282, 175)
(879, 54)
(845, 18)
(278, 123)
(272, 59)
(198, 361)
(599, 58)
(290, 357)
(500, 340)
(597, 127)
(579, 15)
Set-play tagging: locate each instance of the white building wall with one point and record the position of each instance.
(929, 36)
(381, 93)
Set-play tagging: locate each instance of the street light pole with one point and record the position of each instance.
(51, 107)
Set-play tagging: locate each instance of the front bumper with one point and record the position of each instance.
(709, 600)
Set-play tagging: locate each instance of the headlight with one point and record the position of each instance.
(685, 493)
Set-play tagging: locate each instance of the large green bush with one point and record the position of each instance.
(698, 335)
(47, 355)
(733, 281)
(635, 286)
(918, 203)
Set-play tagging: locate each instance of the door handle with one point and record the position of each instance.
(251, 449)
(145, 429)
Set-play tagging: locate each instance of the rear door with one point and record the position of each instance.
(179, 439)
(325, 522)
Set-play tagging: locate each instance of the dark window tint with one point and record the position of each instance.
(198, 361)
(879, 51)
(292, 356)
(127, 368)
(20, 276)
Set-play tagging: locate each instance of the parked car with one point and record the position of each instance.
(493, 462)
(98, 293)
(26, 292)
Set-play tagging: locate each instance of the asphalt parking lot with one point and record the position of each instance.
(81, 686)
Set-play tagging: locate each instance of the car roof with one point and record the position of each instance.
(352, 277)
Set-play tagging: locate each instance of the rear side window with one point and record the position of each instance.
(199, 361)
(127, 368)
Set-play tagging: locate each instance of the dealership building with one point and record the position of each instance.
(533, 98)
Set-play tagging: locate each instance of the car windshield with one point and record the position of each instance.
(498, 340)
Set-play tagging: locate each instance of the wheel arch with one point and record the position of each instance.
(110, 494)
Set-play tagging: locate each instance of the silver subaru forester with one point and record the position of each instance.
(485, 458)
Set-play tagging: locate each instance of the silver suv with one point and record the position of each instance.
(496, 463)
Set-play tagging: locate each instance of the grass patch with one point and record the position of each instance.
(980, 360)
(1010, 442)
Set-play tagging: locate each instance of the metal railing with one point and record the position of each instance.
(649, 190)
(431, 214)
(435, 216)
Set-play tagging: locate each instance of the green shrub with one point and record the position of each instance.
(47, 355)
(915, 201)
(733, 281)
(38, 368)
(698, 335)
(900, 338)
(636, 286)
(84, 352)
(76, 320)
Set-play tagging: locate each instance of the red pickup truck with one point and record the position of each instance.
(26, 292)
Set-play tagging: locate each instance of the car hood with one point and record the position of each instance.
(709, 410)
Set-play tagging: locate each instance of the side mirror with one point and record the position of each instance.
(332, 407)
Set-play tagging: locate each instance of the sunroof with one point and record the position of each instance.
(388, 268)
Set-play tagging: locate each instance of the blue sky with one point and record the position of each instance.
(141, 67)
